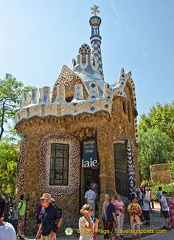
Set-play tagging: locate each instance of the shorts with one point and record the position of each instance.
(111, 227)
(48, 237)
(166, 214)
(146, 215)
(21, 220)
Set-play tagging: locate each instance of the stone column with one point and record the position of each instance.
(45, 95)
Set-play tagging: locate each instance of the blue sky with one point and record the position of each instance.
(38, 37)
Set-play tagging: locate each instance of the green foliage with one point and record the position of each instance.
(160, 117)
(156, 130)
(11, 92)
(8, 167)
(155, 148)
(165, 187)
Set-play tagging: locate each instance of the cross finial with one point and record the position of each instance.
(95, 10)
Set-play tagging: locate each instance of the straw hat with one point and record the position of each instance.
(46, 196)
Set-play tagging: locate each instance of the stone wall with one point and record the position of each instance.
(159, 173)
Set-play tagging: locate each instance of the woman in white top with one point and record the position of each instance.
(7, 231)
(86, 224)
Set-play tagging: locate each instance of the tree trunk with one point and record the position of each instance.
(2, 120)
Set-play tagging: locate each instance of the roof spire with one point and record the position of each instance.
(95, 38)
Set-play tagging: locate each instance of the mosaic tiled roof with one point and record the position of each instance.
(66, 78)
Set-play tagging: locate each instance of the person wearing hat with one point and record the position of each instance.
(51, 219)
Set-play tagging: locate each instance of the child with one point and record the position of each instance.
(134, 210)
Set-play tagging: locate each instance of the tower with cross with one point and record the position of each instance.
(95, 38)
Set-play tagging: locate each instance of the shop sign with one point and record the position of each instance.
(89, 152)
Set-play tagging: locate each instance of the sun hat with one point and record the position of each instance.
(46, 196)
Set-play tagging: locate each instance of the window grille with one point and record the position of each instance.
(59, 162)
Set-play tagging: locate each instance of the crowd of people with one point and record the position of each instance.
(139, 211)
(49, 215)
(12, 217)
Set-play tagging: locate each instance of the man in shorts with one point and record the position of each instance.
(21, 215)
(164, 206)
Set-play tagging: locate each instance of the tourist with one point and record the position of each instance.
(146, 208)
(7, 231)
(134, 193)
(165, 211)
(38, 215)
(139, 196)
(94, 187)
(88, 183)
(171, 208)
(159, 196)
(21, 215)
(51, 219)
(134, 210)
(90, 198)
(104, 208)
(119, 206)
(112, 222)
(2, 203)
(150, 196)
(87, 226)
(14, 215)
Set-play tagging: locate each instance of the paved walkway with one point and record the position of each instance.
(152, 232)
(167, 235)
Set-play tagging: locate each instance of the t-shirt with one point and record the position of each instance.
(164, 203)
(47, 216)
(90, 195)
(119, 204)
(159, 195)
(145, 205)
(109, 212)
(85, 232)
(22, 207)
(7, 232)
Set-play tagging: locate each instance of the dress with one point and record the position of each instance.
(171, 207)
(7, 232)
(85, 234)
(134, 217)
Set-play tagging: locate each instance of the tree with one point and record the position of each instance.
(8, 167)
(161, 117)
(10, 94)
(155, 147)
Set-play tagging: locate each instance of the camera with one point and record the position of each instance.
(54, 222)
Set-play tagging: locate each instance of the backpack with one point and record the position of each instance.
(59, 209)
(21, 205)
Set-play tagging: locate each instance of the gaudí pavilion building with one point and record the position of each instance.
(80, 127)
